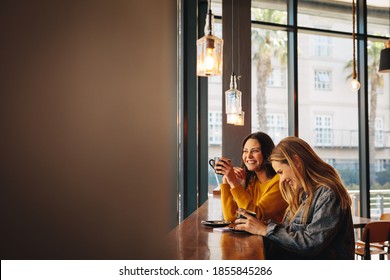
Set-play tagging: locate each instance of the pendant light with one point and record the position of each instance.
(209, 49)
(236, 119)
(233, 96)
(384, 60)
(355, 84)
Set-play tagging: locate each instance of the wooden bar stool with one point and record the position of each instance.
(375, 234)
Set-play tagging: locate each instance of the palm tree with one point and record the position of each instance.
(270, 44)
(375, 82)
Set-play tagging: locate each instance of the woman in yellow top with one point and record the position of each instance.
(254, 186)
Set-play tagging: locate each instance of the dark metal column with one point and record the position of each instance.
(232, 136)
(364, 157)
(293, 127)
(190, 154)
(202, 117)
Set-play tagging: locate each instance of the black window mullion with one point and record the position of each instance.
(202, 117)
(190, 96)
(292, 9)
(364, 157)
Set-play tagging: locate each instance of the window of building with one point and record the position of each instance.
(322, 46)
(379, 135)
(277, 127)
(322, 79)
(380, 165)
(215, 128)
(277, 78)
(324, 130)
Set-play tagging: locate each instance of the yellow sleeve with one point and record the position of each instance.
(267, 203)
(229, 206)
(271, 205)
(244, 198)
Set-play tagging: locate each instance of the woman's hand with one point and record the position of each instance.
(240, 174)
(250, 224)
(225, 167)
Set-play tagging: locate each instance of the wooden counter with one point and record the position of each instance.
(193, 241)
(360, 222)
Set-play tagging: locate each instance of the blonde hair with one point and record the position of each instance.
(312, 174)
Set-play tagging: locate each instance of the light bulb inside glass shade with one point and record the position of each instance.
(209, 51)
(237, 119)
(209, 56)
(233, 97)
(209, 60)
(355, 85)
(240, 119)
(231, 118)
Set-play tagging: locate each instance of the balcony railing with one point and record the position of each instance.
(379, 202)
(347, 138)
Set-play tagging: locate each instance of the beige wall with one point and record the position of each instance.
(88, 108)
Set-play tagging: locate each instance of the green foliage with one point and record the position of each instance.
(352, 187)
(377, 186)
(383, 177)
(351, 179)
(349, 176)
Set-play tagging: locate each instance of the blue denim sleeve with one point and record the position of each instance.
(310, 239)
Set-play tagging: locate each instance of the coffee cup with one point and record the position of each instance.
(214, 162)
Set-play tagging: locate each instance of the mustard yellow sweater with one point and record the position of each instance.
(264, 199)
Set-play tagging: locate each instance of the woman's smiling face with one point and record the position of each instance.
(252, 155)
(286, 175)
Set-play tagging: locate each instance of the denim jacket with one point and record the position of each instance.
(328, 233)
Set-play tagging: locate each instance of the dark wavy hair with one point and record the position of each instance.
(267, 146)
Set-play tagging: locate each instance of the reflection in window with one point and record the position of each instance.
(322, 80)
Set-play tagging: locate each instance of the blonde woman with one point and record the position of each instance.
(318, 221)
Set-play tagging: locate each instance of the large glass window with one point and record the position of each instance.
(378, 17)
(379, 132)
(269, 72)
(327, 108)
(215, 110)
(378, 23)
(272, 11)
(334, 15)
(329, 121)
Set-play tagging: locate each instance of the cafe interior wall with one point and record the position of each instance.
(88, 110)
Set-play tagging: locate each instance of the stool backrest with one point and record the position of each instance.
(385, 217)
(378, 231)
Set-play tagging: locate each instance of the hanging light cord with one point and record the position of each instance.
(210, 21)
(238, 42)
(353, 41)
(232, 38)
